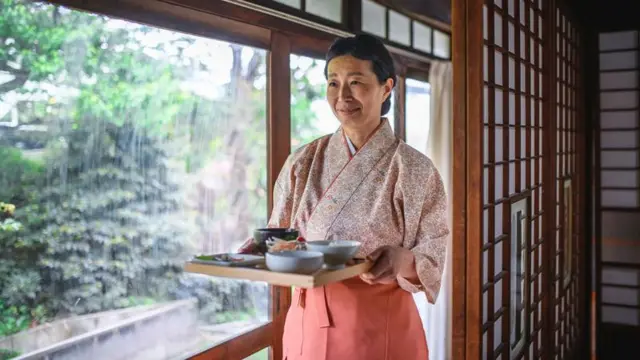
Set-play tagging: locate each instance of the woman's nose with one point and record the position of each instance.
(345, 92)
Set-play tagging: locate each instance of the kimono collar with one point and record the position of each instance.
(381, 138)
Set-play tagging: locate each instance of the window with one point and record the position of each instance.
(311, 115)
(418, 113)
(126, 149)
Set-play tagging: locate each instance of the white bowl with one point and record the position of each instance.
(299, 262)
(336, 252)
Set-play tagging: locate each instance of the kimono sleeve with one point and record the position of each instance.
(431, 240)
(283, 198)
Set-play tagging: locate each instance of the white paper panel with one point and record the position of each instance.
(615, 178)
(512, 178)
(617, 253)
(630, 277)
(619, 61)
(292, 3)
(497, 62)
(485, 23)
(618, 40)
(441, 44)
(328, 9)
(618, 139)
(512, 37)
(498, 222)
(619, 80)
(373, 18)
(620, 225)
(621, 198)
(498, 182)
(621, 296)
(619, 159)
(617, 315)
(422, 37)
(619, 119)
(498, 109)
(498, 140)
(619, 100)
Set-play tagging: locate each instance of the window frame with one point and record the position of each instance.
(225, 21)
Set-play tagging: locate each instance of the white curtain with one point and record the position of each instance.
(436, 318)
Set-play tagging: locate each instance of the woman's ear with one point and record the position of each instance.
(388, 87)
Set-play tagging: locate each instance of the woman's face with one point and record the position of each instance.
(354, 92)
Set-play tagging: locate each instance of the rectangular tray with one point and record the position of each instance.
(259, 273)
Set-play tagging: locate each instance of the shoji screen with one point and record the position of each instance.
(568, 237)
(513, 241)
(618, 203)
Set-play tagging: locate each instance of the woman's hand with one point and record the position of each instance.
(248, 247)
(388, 263)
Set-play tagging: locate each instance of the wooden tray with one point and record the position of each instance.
(260, 273)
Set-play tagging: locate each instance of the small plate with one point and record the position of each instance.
(229, 259)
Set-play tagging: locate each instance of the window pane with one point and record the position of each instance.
(328, 9)
(373, 18)
(399, 28)
(418, 113)
(126, 149)
(311, 115)
(421, 37)
(441, 46)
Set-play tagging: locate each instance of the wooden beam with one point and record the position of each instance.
(458, 231)
(174, 17)
(472, 76)
(279, 145)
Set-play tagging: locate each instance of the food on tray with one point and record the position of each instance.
(220, 257)
(279, 245)
(263, 237)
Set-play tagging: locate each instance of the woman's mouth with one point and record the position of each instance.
(349, 111)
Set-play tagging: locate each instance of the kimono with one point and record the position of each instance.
(387, 193)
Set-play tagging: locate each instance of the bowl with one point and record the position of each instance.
(263, 237)
(336, 252)
(299, 262)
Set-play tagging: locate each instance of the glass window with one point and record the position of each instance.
(311, 115)
(125, 150)
(374, 18)
(399, 28)
(421, 37)
(441, 44)
(328, 9)
(418, 113)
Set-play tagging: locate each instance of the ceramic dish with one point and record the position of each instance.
(299, 262)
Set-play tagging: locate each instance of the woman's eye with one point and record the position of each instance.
(332, 84)
(355, 82)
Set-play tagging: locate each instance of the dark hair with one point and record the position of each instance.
(366, 47)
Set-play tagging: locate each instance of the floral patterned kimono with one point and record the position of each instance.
(387, 193)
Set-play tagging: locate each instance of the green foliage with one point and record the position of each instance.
(8, 354)
(14, 319)
(99, 221)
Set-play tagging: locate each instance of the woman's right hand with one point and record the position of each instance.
(248, 247)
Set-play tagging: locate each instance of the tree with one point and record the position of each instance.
(129, 130)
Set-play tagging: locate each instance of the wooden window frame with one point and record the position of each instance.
(222, 20)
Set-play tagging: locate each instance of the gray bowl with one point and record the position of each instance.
(299, 262)
(336, 252)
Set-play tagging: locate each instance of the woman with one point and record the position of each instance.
(362, 183)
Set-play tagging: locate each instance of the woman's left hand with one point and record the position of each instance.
(388, 263)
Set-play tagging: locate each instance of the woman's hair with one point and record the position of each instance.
(366, 47)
